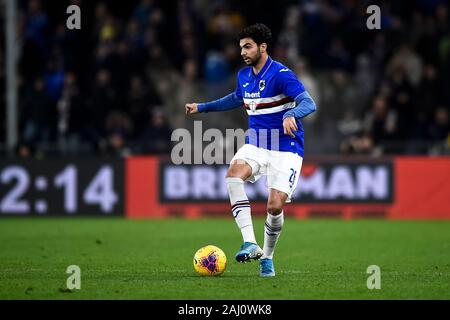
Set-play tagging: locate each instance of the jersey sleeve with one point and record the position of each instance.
(288, 83)
(238, 91)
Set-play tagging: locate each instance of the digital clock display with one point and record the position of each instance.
(61, 187)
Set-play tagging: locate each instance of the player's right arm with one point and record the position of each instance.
(228, 102)
(232, 101)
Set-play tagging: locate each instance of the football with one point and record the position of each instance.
(210, 261)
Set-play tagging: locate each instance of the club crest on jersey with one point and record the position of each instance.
(262, 85)
(252, 105)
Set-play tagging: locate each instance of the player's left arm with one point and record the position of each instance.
(291, 86)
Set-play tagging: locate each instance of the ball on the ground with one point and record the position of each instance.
(210, 261)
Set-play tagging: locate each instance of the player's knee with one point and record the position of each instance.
(274, 207)
(239, 171)
(232, 172)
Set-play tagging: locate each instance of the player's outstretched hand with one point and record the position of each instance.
(191, 108)
(290, 126)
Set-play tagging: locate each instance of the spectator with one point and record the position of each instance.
(103, 100)
(37, 25)
(71, 115)
(301, 68)
(380, 122)
(155, 138)
(440, 132)
(217, 73)
(54, 78)
(337, 56)
(24, 150)
(440, 127)
(406, 59)
(361, 143)
(37, 115)
(142, 12)
(118, 132)
(141, 101)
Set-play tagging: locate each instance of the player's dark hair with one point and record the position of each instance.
(259, 32)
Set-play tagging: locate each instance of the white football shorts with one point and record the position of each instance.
(281, 168)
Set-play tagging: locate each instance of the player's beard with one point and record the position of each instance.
(253, 62)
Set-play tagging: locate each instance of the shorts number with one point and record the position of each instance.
(292, 178)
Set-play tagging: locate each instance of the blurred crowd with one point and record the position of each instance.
(118, 86)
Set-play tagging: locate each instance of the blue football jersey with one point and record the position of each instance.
(267, 97)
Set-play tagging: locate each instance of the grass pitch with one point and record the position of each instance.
(152, 259)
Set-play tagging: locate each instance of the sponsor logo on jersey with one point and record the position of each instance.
(252, 95)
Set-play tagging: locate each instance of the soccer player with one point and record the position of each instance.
(275, 101)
